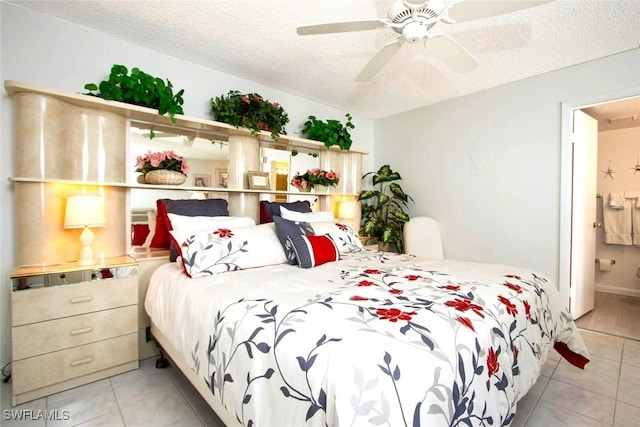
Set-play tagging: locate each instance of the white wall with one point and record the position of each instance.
(487, 165)
(50, 53)
(622, 149)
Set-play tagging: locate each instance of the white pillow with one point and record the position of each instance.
(343, 234)
(322, 216)
(152, 218)
(204, 253)
(208, 223)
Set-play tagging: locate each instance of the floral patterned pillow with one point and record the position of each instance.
(343, 234)
(204, 253)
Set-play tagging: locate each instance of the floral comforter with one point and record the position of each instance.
(373, 339)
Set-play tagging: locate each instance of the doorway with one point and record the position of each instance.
(568, 257)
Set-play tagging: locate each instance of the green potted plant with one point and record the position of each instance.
(251, 111)
(139, 88)
(331, 132)
(384, 208)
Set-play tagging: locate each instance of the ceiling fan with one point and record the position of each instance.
(413, 20)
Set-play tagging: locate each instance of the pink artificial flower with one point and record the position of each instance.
(156, 159)
(330, 175)
(245, 99)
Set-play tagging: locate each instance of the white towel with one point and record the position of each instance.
(617, 224)
(633, 195)
(616, 200)
(635, 223)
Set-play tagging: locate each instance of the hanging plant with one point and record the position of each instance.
(251, 111)
(139, 88)
(331, 132)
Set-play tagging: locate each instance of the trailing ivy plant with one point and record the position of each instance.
(331, 132)
(384, 208)
(139, 88)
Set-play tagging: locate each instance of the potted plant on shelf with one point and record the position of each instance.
(162, 168)
(251, 111)
(315, 178)
(331, 132)
(139, 88)
(384, 209)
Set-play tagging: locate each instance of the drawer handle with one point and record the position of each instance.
(81, 331)
(80, 299)
(82, 361)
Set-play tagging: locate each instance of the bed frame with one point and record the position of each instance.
(227, 418)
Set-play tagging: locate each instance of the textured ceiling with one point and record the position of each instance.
(257, 40)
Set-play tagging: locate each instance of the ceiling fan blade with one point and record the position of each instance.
(342, 27)
(452, 53)
(376, 63)
(468, 10)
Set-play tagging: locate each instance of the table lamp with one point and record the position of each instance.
(84, 211)
(347, 210)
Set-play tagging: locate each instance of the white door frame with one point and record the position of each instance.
(566, 171)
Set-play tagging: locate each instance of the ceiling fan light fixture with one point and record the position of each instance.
(414, 31)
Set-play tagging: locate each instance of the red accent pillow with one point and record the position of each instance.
(312, 251)
(187, 207)
(139, 233)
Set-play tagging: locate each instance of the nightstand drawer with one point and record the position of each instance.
(41, 371)
(53, 335)
(37, 305)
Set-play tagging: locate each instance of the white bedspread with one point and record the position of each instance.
(374, 339)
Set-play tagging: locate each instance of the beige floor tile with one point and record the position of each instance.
(113, 419)
(161, 408)
(207, 416)
(549, 414)
(603, 345)
(604, 385)
(190, 422)
(133, 387)
(630, 373)
(549, 367)
(528, 402)
(632, 345)
(580, 400)
(630, 356)
(82, 407)
(627, 415)
(629, 393)
(19, 416)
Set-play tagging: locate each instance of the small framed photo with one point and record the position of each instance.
(258, 180)
(222, 178)
(201, 180)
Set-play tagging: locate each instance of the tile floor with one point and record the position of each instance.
(613, 314)
(606, 393)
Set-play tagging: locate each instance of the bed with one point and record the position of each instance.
(370, 339)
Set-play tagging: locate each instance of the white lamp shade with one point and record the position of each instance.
(84, 210)
(347, 210)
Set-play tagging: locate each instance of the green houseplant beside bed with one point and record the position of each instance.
(384, 208)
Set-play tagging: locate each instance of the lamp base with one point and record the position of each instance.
(86, 256)
(86, 253)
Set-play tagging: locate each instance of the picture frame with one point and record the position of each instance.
(222, 178)
(258, 180)
(201, 180)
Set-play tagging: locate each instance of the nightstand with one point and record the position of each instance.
(72, 325)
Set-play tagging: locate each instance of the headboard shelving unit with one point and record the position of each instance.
(68, 143)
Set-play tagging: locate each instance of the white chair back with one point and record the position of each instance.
(422, 237)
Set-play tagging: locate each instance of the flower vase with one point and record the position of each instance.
(321, 188)
(164, 177)
(304, 189)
